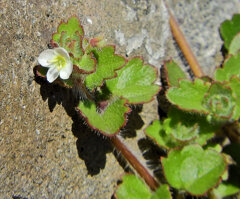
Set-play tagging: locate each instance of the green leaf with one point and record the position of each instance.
(193, 169)
(87, 63)
(133, 188)
(235, 85)
(162, 193)
(134, 82)
(185, 126)
(72, 44)
(107, 63)
(72, 29)
(107, 121)
(219, 101)
(230, 68)
(189, 95)
(157, 133)
(235, 45)
(173, 73)
(229, 29)
(226, 189)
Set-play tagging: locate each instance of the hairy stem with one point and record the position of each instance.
(142, 171)
(185, 48)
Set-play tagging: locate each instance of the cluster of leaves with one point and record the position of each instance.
(107, 82)
(197, 162)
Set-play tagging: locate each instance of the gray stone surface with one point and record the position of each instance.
(45, 151)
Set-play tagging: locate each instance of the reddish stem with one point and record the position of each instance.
(185, 48)
(142, 171)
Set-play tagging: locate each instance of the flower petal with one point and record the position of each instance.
(67, 70)
(62, 52)
(52, 73)
(46, 56)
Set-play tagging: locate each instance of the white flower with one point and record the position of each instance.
(58, 61)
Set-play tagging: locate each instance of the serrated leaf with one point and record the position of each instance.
(193, 169)
(107, 63)
(235, 45)
(157, 133)
(133, 188)
(162, 193)
(229, 29)
(87, 63)
(134, 82)
(219, 101)
(230, 68)
(173, 73)
(72, 29)
(189, 95)
(108, 121)
(72, 44)
(181, 132)
(185, 126)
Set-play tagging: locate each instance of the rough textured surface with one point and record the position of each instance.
(45, 150)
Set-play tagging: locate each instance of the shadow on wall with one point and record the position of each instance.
(92, 147)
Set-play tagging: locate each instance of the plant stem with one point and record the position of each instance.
(142, 171)
(183, 44)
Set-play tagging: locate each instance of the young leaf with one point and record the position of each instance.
(108, 121)
(72, 29)
(229, 29)
(193, 169)
(157, 133)
(235, 44)
(107, 63)
(185, 126)
(189, 95)
(230, 68)
(219, 101)
(173, 73)
(162, 193)
(133, 188)
(72, 44)
(134, 82)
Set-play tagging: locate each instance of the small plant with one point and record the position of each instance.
(202, 110)
(108, 83)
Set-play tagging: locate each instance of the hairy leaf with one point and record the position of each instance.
(229, 29)
(107, 121)
(134, 82)
(157, 133)
(230, 68)
(133, 188)
(189, 95)
(107, 63)
(173, 73)
(185, 126)
(193, 169)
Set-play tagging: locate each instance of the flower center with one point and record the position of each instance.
(59, 62)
